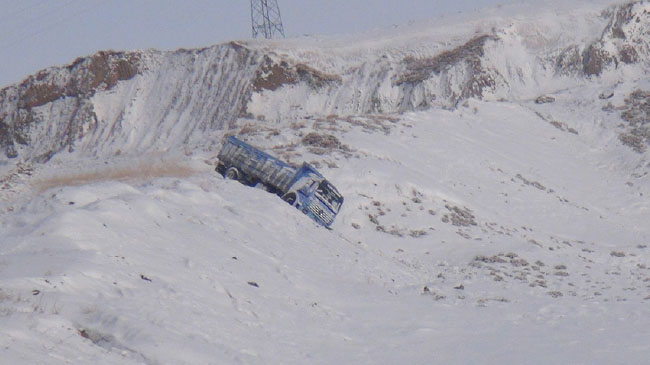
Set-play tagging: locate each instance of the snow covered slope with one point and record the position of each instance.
(487, 225)
(143, 101)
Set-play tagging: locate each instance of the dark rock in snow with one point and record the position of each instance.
(544, 99)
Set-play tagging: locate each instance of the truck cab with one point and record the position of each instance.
(316, 197)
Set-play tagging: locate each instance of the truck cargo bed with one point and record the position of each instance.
(256, 165)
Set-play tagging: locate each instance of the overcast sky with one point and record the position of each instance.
(35, 34)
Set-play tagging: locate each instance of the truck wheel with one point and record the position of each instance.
(290, 198)
(232, 174)
(221, 169)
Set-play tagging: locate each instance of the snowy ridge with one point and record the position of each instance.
(167, 99)
(189, 94)
(152, 101)
(501, 59)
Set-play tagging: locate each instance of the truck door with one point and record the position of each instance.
(306, 191)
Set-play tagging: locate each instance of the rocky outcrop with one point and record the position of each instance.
(636, 114)
(77, 82)
(466, 61)
(272, 75)
(625, 40)
(69, 108)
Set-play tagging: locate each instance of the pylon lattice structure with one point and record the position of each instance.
(266, 19)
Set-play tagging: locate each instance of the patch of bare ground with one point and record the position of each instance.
(469, 56)
(460, 217)
(397, 215)
(636, 112)
(534, 184)
(319, 136)
(369, 123)
(505, 267)
(257, 128)
(596, 59)
(578, 279)
(21, 171)
(563, 127)
(13, 182)
(272, 75)
(142, 170)
(110, 343)
(420, 69)
(102, 71)
(557, 124)
(323, 143)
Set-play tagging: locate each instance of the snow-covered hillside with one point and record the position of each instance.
(496, 181)
(149, 101)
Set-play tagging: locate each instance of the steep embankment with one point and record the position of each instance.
(130, 101)
(115, 103)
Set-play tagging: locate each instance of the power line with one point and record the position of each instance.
(18, 11)
(57, 14)
(36, 16)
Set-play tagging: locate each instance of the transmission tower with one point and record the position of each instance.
(266, 19)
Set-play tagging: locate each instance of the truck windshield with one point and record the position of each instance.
(328, 194)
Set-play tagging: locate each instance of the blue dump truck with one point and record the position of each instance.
(303, 187)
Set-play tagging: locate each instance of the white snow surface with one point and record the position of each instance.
(484, 233)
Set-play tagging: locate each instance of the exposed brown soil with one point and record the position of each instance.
(629, 54)
(420, 69)
(101, 71)
(596, 60)
(273, 75)
(80, 80)
(636, 113)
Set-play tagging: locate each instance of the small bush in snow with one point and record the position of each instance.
(544, 99)
(326, 141)
(461, 217)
